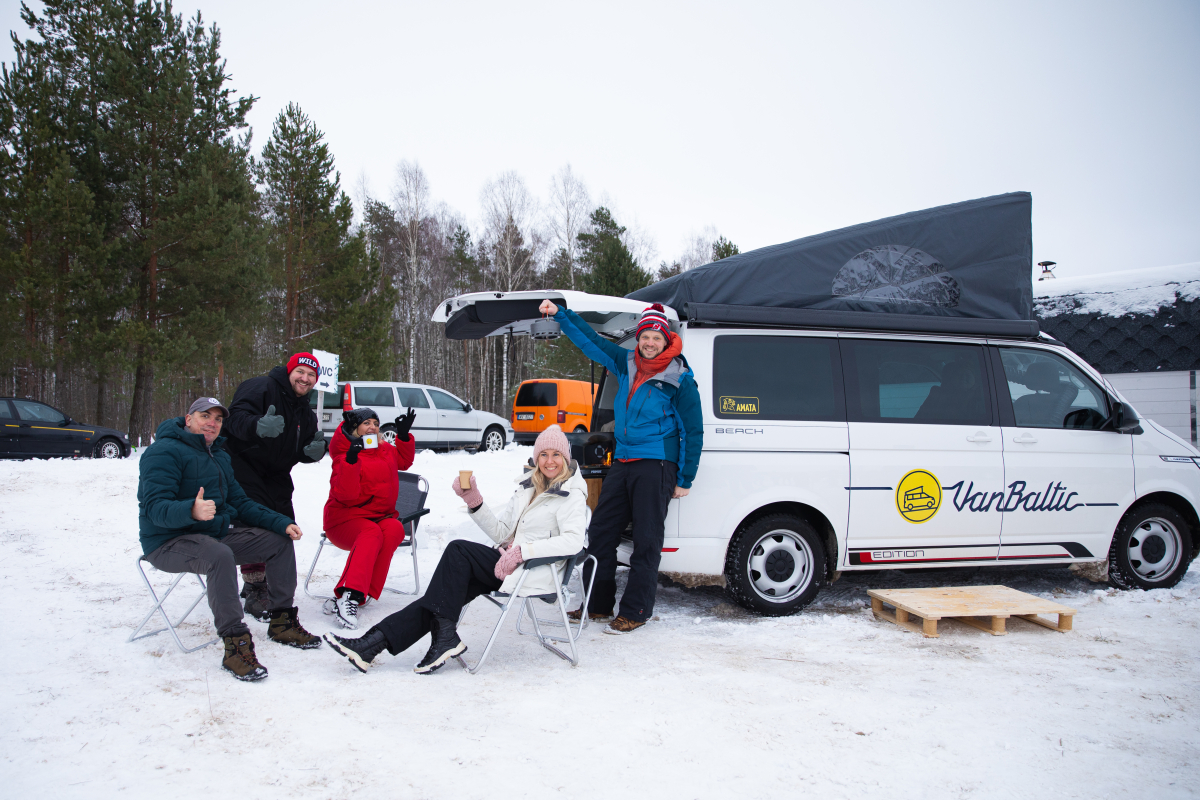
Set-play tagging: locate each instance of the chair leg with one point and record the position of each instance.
(158, 606)
(313, 566)
(504, 609)
(416, 572)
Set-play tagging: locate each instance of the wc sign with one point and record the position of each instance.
(327, 376)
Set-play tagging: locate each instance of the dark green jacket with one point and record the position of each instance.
(171, 472)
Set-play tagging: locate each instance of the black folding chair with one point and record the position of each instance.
(410, 505)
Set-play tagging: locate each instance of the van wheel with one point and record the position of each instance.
(388, 433)
(774, 565)
(493, 439)
(579, 429)
(107, 448)
(1150, 549)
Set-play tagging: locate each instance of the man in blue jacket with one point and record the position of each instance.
(194, 517)
(659, 431)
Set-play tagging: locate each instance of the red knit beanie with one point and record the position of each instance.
(654, 318)
(303, 360)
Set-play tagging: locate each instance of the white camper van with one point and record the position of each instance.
(859, 446)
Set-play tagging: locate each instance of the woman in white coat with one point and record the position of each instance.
(545, 517)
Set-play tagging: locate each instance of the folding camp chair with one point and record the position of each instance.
(526, 608)
(410, 505)
(158, 606)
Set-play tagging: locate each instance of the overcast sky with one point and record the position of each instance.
(769, 121)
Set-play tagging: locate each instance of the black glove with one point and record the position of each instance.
(352, 453)
(403, 424)
(270, 424)
(316, 448)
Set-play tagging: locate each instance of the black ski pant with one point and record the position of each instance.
(636, 491)
(270, 489)
(465, 571)
(216, 560)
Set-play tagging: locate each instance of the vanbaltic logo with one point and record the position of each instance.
(918, 496)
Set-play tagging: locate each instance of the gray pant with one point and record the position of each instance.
(217, 560)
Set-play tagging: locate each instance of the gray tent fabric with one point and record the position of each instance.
(972, 259)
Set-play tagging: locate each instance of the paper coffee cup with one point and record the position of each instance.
(464, 479)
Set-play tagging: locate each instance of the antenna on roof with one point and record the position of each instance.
(1047, 270)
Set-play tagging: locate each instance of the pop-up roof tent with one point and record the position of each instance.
(961, 268)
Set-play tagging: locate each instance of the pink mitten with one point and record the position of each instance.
(471, 496)
(508, 562)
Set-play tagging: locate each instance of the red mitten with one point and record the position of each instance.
(471, 496)
(508, 562)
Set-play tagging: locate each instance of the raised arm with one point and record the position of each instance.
(248, 406)
(594, 346)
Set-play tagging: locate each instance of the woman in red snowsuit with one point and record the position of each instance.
(360, 515)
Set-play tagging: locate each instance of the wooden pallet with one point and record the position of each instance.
(966, 604)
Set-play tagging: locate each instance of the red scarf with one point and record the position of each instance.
(649, 367)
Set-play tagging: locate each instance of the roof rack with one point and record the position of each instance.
(721, 314)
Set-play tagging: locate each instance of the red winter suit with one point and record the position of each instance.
(360, 515)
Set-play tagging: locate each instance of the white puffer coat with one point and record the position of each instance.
(554, 524)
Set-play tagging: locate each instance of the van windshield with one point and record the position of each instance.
(538, 394)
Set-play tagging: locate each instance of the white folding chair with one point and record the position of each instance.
(560, 598)
(410, 505)
(158, 606)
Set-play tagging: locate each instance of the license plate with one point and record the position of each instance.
(525, 416)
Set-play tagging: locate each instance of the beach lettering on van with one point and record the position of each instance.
(1056, 497)
(738, 405)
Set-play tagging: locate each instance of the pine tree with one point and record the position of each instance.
(612, 269)
(723, 248)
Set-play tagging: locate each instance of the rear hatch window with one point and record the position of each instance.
(538, 394)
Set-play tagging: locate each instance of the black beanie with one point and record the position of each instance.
(357, 416)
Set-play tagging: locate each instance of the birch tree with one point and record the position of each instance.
(570, 206)
(411, 196)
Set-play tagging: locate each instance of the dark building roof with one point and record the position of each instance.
(1137, 321)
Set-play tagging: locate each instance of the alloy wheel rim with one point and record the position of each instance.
(110, 450)
(780, 566)
(494, 441)
(1155, 548)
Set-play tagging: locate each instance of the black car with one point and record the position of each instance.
(30, 429)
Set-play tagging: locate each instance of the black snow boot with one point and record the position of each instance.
(360, 651)
(240, 658)
(446, 645)
(255, 593)
(286, 629)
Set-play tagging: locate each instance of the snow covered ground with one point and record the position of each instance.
(707, 701)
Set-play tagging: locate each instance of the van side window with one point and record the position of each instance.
(1049, 392)
(374, 396)
(411, 398)
(777, 377)
(538, 394)
(918, 382)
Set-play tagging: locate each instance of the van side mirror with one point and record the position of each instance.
(1124, 419)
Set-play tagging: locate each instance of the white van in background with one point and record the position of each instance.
(835, 449)
(443, 421)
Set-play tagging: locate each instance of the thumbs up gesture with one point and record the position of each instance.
(203, 510)
(269, 425)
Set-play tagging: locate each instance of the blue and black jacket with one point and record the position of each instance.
(662, 420)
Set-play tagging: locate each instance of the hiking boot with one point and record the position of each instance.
(360, 651)
(345, 610)
(577, 615)
(622, 625)
(446, 645)
(286, 629)
(255, 593)
(240, 658)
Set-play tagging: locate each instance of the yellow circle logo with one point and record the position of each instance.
(918, 495)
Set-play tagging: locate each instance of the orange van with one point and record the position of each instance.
(542, 403)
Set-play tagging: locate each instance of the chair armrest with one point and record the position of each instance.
(415, 515)
(540, 562)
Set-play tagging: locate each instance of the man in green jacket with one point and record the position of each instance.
(194, 517)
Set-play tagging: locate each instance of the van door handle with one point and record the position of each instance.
(1025, 438)
(980, 437)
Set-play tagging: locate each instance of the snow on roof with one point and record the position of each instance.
(1114, 294)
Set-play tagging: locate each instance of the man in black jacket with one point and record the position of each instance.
(271, 429)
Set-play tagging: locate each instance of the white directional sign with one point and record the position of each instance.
(328, 374)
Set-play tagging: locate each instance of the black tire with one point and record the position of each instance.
(775, 565)
(580, 429)
(388, 433)
(493, 439)
(108, 447)
(1151, 548)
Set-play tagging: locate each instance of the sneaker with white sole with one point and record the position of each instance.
(345, 610)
